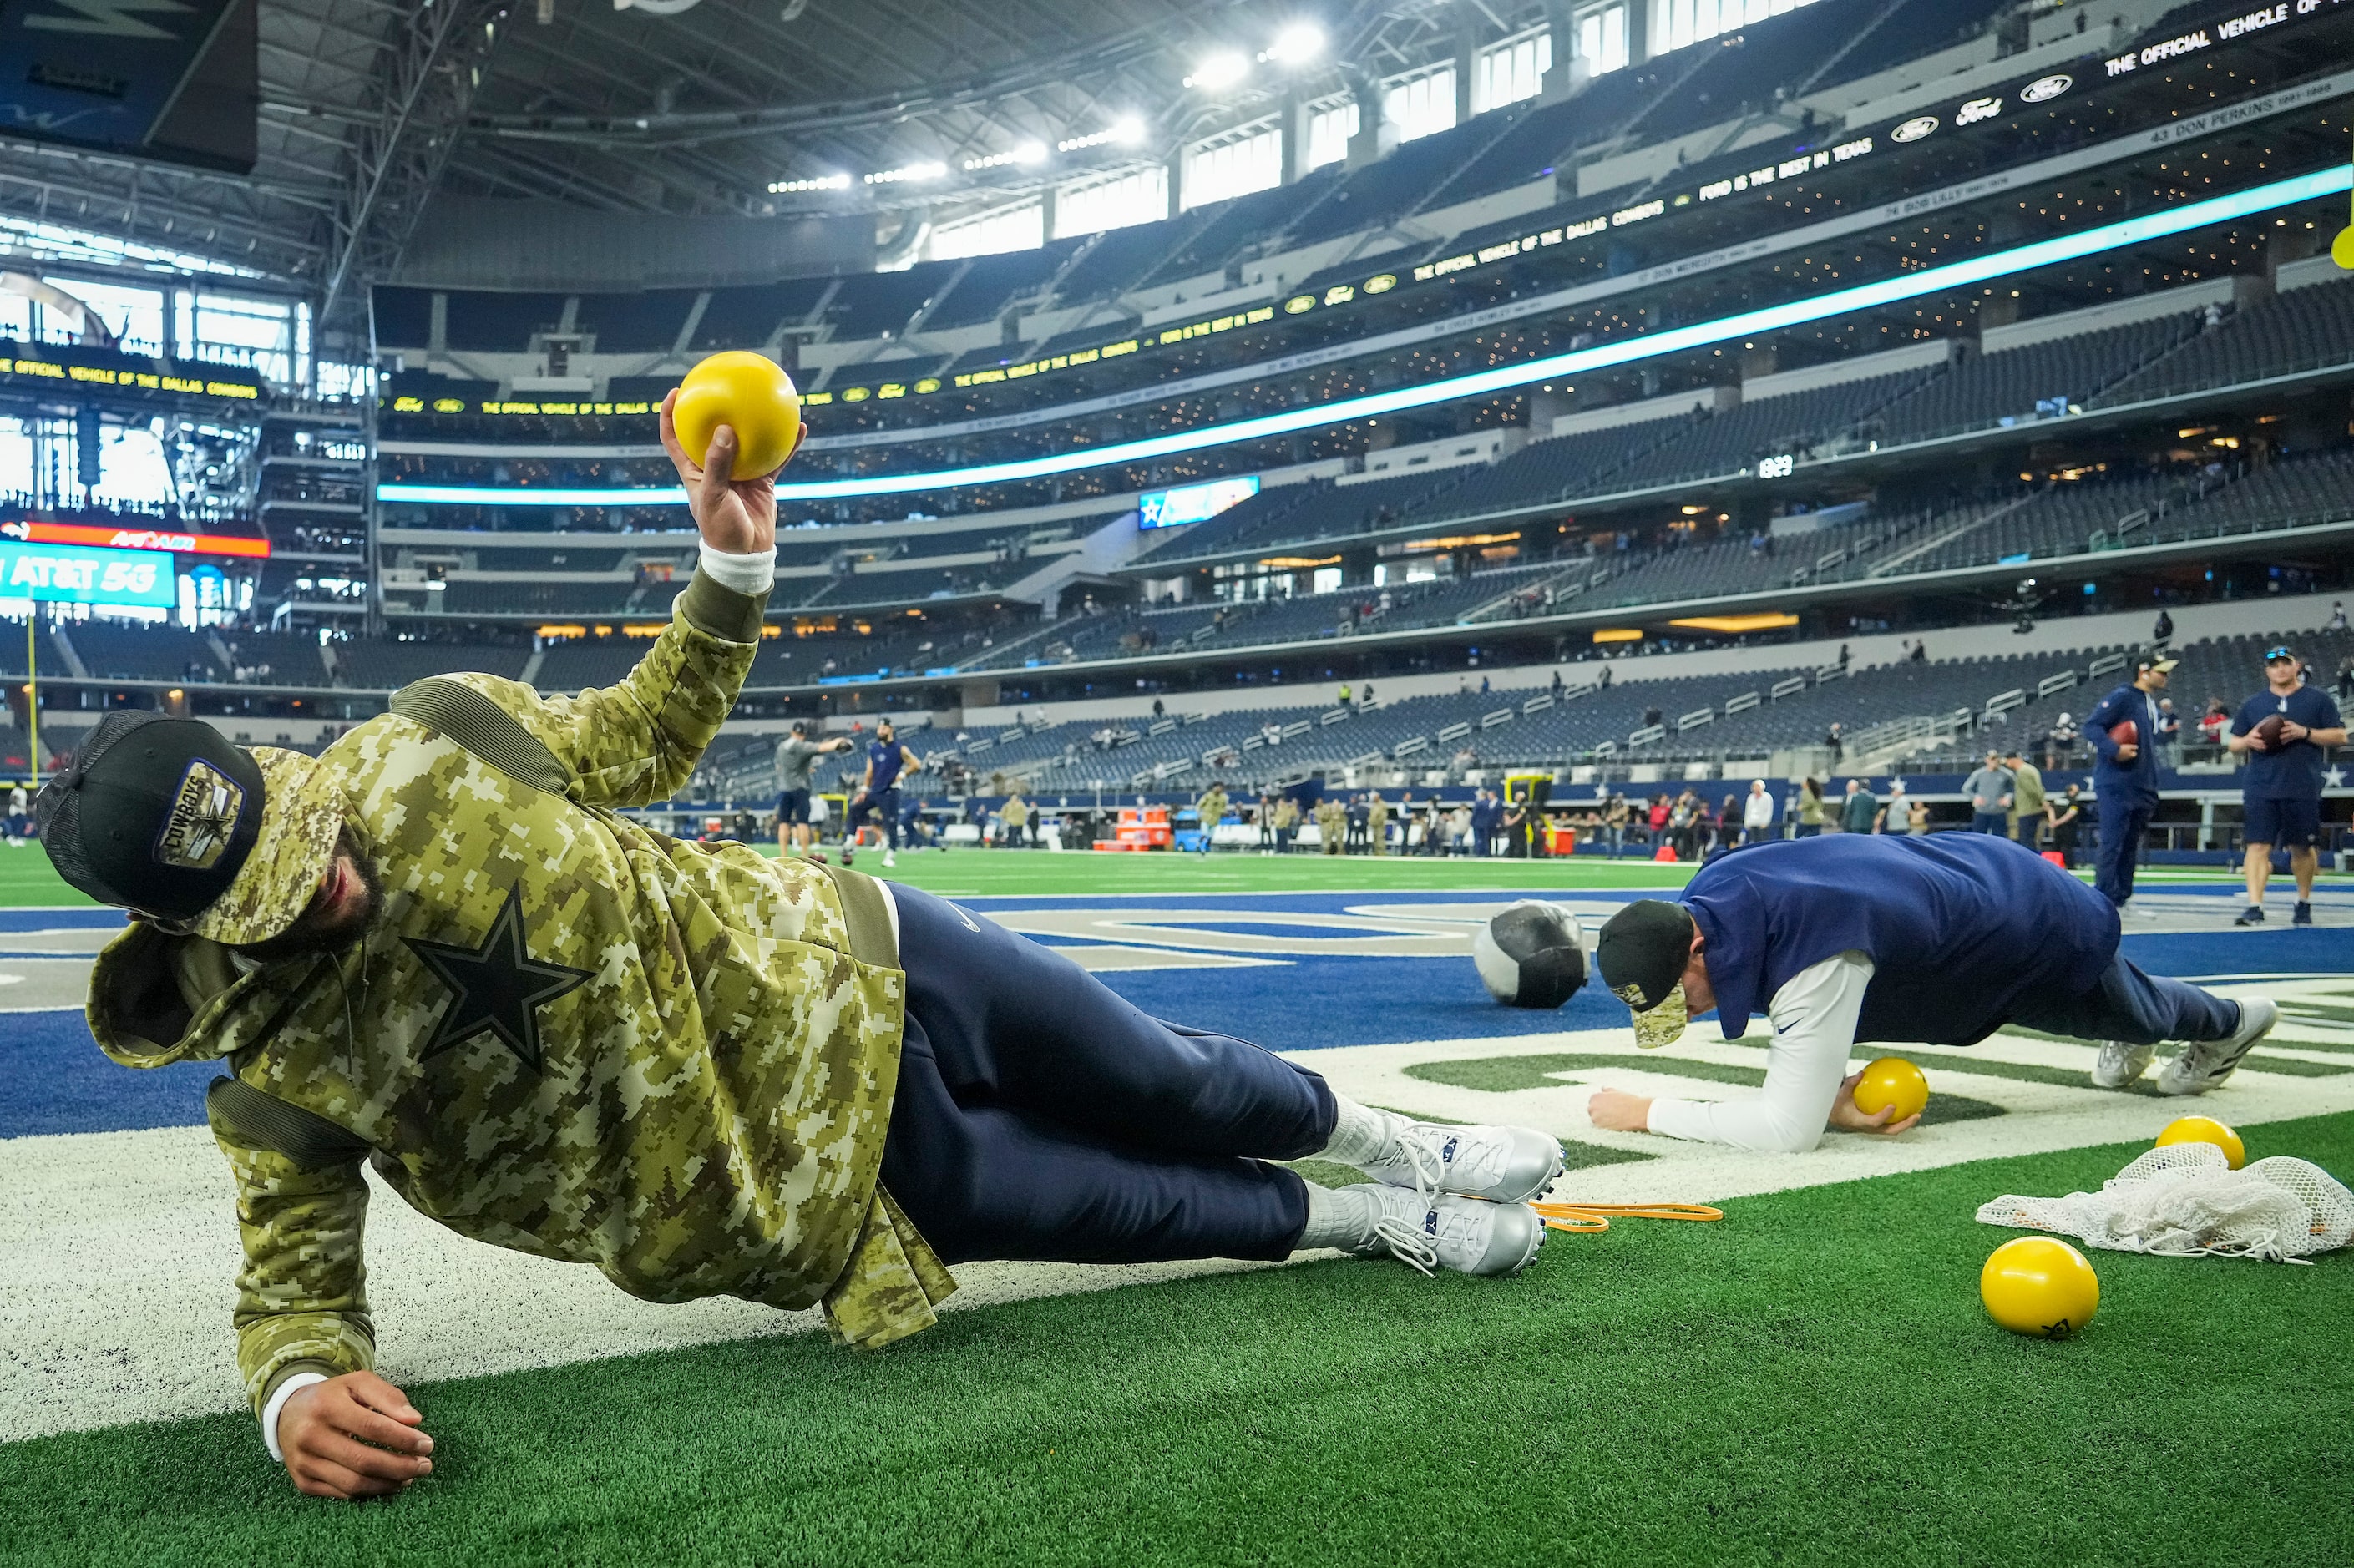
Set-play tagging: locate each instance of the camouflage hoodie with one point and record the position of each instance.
(562, 1032)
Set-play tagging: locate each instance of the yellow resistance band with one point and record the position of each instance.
(1597, 1217)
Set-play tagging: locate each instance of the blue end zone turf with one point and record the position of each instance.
(58, 1082)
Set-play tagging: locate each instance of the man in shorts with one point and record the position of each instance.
(2280, 797)
(797, 754)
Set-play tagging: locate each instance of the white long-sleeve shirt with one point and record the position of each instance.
(1757, 811)
(1814, 1018)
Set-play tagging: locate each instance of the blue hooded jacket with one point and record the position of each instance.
(1959, 927)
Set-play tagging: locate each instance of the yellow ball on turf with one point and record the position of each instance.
(748, 392)
(1892, 1081)
(2040, 1285)
(2205, 1130)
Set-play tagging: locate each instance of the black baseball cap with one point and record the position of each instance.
(154, 814)
(1642, 954)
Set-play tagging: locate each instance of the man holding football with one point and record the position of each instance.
(2124, 732)
(2281, 731)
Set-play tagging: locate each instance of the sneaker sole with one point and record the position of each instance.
(2170, 1082)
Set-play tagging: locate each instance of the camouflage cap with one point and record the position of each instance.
(301, 815)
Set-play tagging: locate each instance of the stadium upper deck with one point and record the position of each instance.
(1782, 216)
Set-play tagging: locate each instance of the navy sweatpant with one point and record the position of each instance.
(883, 805)
(2139, 1009)
(1040, 1116)
(2124, 819)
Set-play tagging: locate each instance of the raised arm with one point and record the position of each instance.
(637, 742)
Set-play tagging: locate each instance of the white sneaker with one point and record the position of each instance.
(2133, 910)
(1502, 1164)
(1459, 1233)
(2205, 1063)
(889, 860)
(2121, 1065)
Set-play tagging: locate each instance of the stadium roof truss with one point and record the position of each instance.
(364, 105)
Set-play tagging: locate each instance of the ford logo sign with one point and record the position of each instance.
(2044, 88)
(1912, 130)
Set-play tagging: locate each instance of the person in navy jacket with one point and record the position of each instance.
(2124, 778)
(1940, 939)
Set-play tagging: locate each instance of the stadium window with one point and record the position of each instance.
(1021, 227)
(1418, 105)
(1602, 39)
(1089, 207)
(1511, 71)
(1234, 163)
(1331, 122)
(1694, 21)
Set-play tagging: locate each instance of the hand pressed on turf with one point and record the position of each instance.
(351, 1437)
(1847, 1117)
(1615, 1110)
(736, 516)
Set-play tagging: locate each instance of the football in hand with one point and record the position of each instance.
(2267, 733)
(2125, 732)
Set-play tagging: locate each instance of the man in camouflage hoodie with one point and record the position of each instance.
(439, 951)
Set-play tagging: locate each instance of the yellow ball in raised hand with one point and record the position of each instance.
(2040, 1287)
(2205, 1130)
(751, 394)
(1892, 1081)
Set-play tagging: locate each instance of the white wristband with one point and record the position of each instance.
(754, 573)
(278, 1398)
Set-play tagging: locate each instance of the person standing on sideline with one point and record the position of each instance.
(878, 791)
(1757, 814)
(1486, 814)
(2125, 775)
(1916, 818)
(1989, 789)
(2281, 789)
(796, 755)
(2026, 798)
(17, 829)
(2065, 816)
(1857, 811)
(1287, 824)
(1016, 814)
(1811, 809)
(1377, 824)
(1841, 941)
(1893, 812)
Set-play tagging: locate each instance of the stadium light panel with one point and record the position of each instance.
(2332, 181)
(1296, 45)
(1220, 71)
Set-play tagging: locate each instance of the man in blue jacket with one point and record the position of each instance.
(2125, 775)
(1941, 938)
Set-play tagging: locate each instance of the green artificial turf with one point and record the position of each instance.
(27, 877)
(1811, 1380)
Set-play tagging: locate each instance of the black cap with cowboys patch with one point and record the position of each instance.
(155, 814)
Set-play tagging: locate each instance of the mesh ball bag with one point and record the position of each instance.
(2186, 1201)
